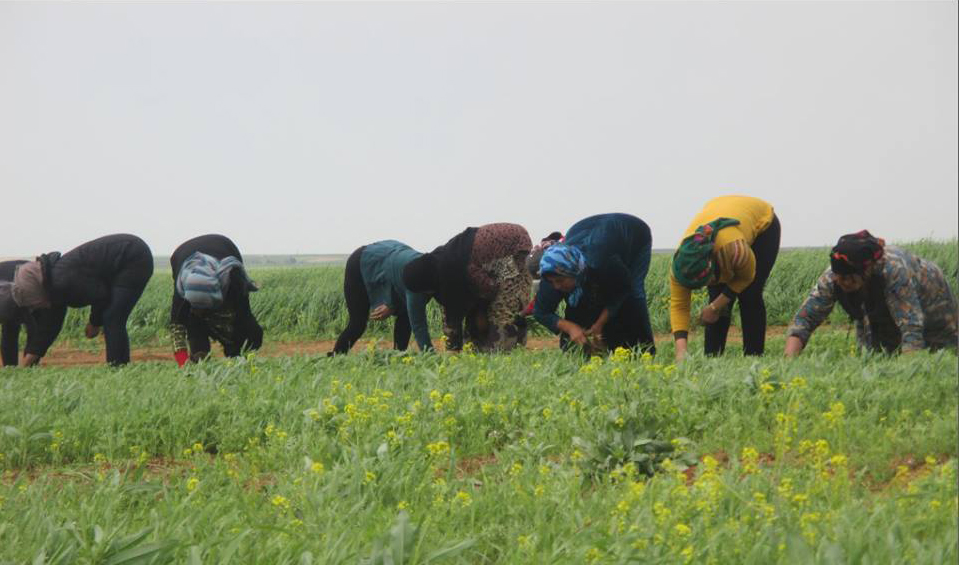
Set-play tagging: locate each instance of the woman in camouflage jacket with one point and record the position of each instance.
(897, 300)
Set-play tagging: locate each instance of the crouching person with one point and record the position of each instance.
(373, 288)
(211, 299)
(108, 274)
(898, 301)
(479, 278)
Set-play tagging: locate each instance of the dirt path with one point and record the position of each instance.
(67, 354)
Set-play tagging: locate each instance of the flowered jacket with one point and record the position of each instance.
(916, 293)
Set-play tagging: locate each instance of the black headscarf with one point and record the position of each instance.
(855, 253)
(443, 272)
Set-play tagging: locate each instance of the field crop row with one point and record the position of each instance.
(528, 457)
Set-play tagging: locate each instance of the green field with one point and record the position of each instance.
(528, 457)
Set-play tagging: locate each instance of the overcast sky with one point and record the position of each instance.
(320, 127)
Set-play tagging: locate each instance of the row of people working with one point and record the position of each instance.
(482, 278)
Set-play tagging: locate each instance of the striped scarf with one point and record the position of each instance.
(204, 280)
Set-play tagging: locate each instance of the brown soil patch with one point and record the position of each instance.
(67, 354)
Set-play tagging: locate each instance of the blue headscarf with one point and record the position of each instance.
(565, 261)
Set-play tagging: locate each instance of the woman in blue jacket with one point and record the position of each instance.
(600, 270)
(373, 288)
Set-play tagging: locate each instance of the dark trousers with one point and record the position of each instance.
(358, 309)
(247, 336)
(126, 291)
(752, 307)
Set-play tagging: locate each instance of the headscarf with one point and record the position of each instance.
(28, 289)
(204, 280)
(692, 266)
(855, 253)
(536, 253)
(422, 274)
(565, 261)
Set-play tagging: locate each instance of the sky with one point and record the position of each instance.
(317, 127)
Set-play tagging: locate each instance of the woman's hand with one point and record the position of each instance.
(381, 312)
(596, 330)
(709, 315)
(574, 331)
(91, 331)
(712, 311)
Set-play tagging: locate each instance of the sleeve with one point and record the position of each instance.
(10, 343)
(96, 313)
(416, 310)
(902, 298)
(545, 304)
(179, 334)
(453, 328)
(48, 323)
(815, 309)
(737, 257)
(680, 304)
(179, 316)
(485, 285)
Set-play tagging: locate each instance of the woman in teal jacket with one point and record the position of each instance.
(374, 281)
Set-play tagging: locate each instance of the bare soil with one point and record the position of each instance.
(67, 354)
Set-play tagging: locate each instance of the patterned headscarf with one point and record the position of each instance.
(692, 266)
(28, 289)
(565, 261)
(204, 280)
(855, 253)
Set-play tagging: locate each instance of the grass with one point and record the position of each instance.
(530, 457)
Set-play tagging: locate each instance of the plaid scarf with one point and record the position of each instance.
(204, 280)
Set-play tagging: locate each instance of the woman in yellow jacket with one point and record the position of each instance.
(731, 246)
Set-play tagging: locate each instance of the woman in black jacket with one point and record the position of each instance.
(227, 319)
(108, 274)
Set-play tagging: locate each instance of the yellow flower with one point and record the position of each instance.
(438, 448)
(280, 501)
(317, 468)
(682, 530)
(463, 498)
(192, 483)
(547, 413)
(402, 505)
(369, 477)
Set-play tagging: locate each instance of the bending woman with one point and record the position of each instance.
(211, 299)
(897, 300)
(600, 270)
(730, 247)
(478, 277)
(374, 279)
(108, 274)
